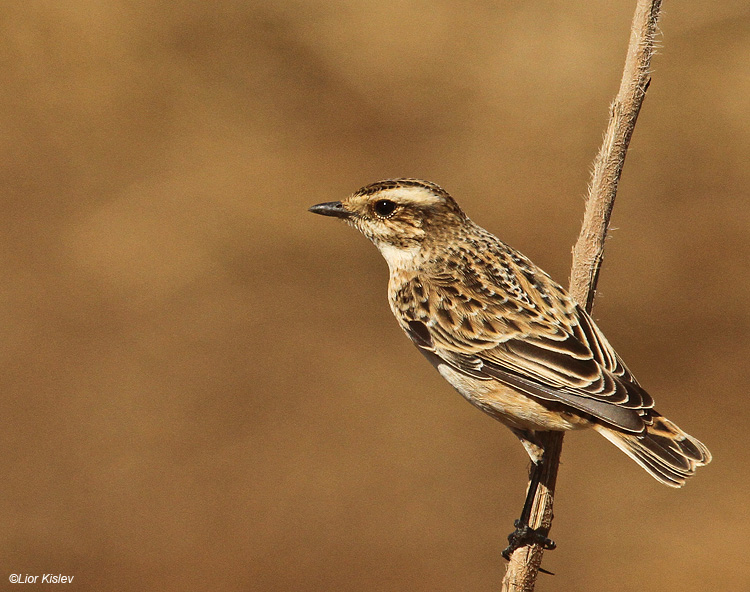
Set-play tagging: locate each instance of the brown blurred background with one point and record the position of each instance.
(202, 384)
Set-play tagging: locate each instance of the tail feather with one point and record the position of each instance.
(663, 449)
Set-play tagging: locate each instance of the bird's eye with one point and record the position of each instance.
(384, 207)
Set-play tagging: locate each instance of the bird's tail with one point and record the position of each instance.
(663, 449)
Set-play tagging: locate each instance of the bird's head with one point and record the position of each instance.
(398, 216)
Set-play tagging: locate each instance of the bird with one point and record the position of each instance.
(507, 337)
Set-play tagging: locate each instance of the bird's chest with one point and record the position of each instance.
(408, 298)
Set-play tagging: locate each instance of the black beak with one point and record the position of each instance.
(331, 208)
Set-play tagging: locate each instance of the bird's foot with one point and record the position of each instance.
(524, 535)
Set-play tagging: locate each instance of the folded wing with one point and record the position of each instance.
(517, 326)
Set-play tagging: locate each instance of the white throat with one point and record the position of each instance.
(399, 258)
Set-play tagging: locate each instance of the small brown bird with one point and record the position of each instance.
(512, 341)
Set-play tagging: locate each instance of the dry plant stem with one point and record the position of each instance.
(524, 563)
(589, 249)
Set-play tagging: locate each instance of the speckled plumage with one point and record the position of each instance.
(503, 333)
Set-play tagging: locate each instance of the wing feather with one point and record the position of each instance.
(499, 317)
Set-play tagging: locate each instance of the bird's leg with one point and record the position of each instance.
(523, 534)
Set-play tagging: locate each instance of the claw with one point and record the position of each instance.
(525, 535)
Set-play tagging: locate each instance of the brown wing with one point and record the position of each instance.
(501, 318)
